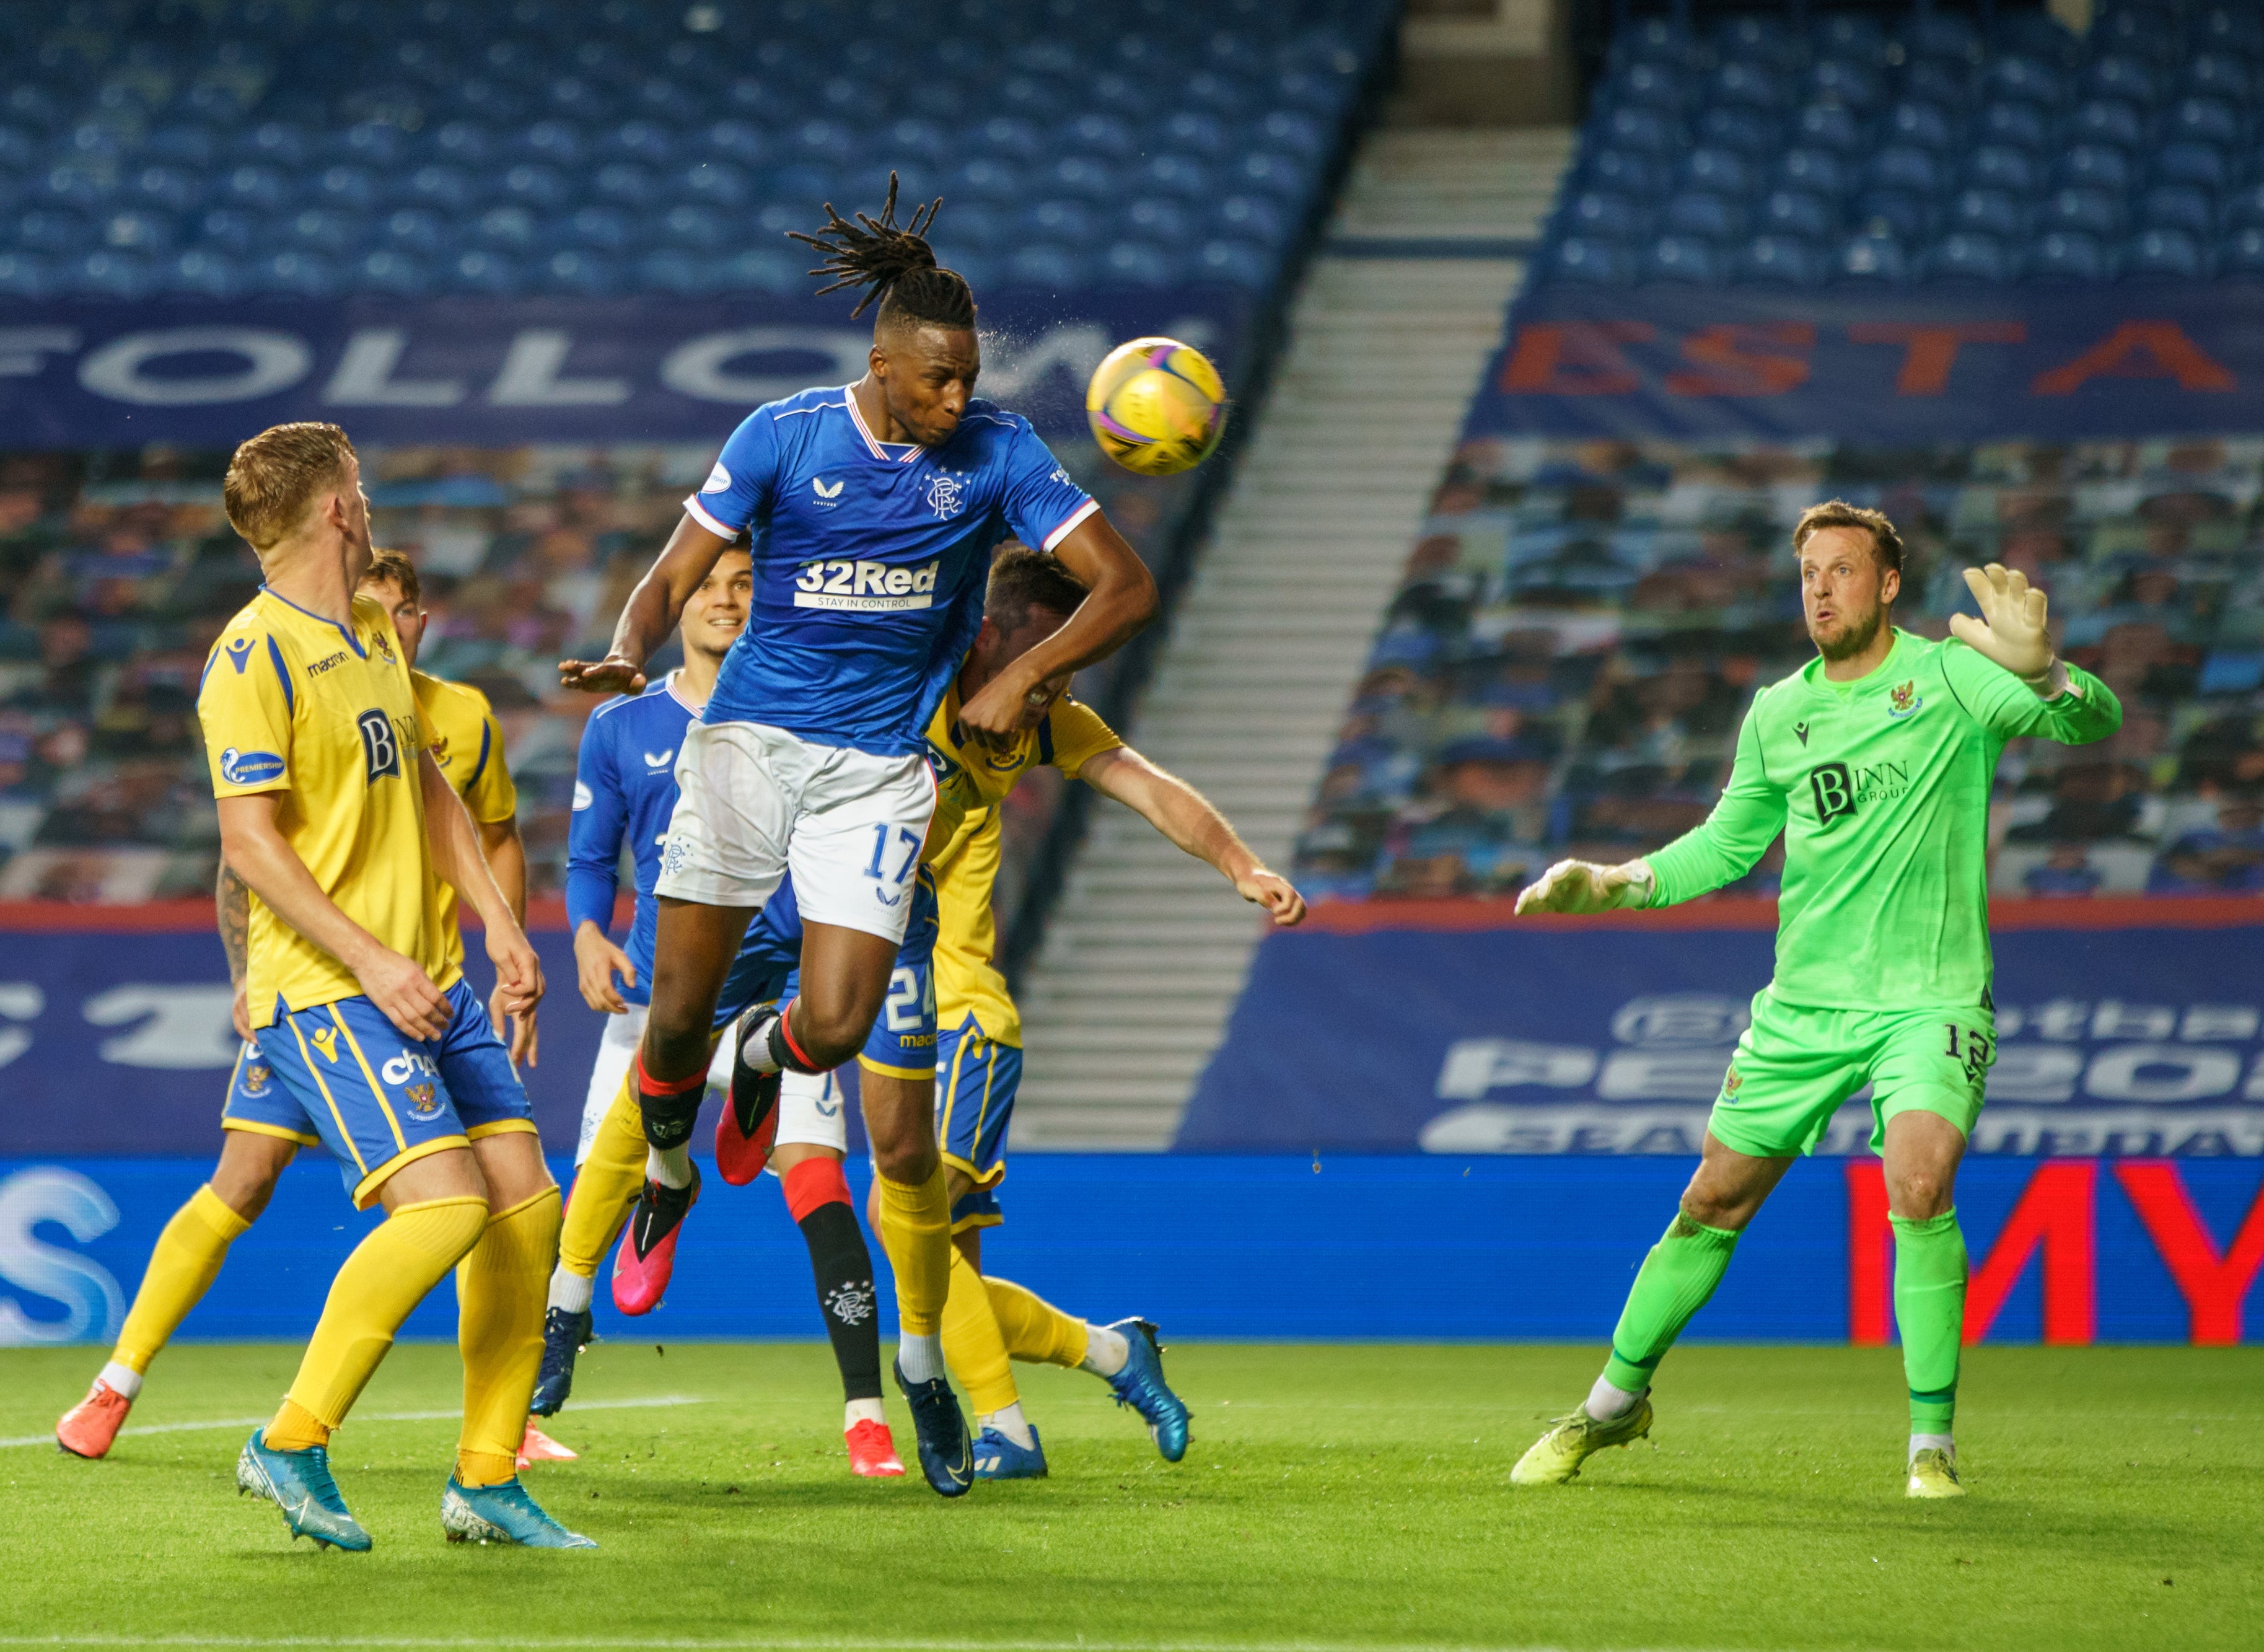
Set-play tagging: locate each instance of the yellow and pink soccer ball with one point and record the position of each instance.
(1156, 406)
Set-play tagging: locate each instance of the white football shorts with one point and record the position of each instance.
(755, 803)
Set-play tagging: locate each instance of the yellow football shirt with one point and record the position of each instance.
(964, 848)
(468, 746)
(324, 714)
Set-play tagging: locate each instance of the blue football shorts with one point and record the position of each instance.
(342, 1074)
(976, 1078)
(902, 1043)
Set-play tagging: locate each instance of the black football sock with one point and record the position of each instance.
(819, 1195)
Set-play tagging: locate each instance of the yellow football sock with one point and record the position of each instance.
(388, 1273)
(182, 1267)
(1033, 1329)
(607, 1186)
(915, 1231)
(972, 1345)
(500, 1289)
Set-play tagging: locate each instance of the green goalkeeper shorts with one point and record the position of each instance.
(1794, 1066)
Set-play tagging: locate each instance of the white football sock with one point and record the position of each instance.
(1011, 1423)
(123, 1378)
(755, 1044)
(861, 1411)
(1104, 1352)
(670, 1167)
(569, 1289)
(1934, 1442)
(1605, 1402)
(921, 1357)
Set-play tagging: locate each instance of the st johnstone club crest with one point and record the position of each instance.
(1904, 698)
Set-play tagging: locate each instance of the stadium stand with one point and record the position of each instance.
(1939, 150)
(1581, 624)
(338, 153)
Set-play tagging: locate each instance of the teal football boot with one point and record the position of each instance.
(1141, 1386)
(300, 1484)
(502, 1514)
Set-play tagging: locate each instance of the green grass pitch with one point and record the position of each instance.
(1334, 1497)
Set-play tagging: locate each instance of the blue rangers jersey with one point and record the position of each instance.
(870, 561)
(625, 787)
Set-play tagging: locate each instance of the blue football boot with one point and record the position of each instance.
(940, 1428)
(502, 1514)
(300, 1484)
(1141, 1386)
(565, 1335)
(999, 1458)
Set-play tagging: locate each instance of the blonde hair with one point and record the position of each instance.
(1886, 544)
(272, 476)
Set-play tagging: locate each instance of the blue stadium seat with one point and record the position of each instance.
(416, 231)
(2096, 166)
(1930, 34)
(1655, 40)
(174, 189)
(1782, 259)
(1763, 41)
(2094, 212)
(106, 273)
(446, 190)
(767, 270)
(1159, 218)
(2001, 166)
(1829, 126)
(26, 274)
(2166, 253)
(2242, 253)
(1965, 255)
(507, 228)
(1095, 132)
(52, 229)
(1848, 81)
(81, 188)
(2025, 125)
(1908, 218)
(1174, 175)
(2108, 120)
(1238, 263)
(676, 270)
(1043, 264)
(2062, 255)
(1644, 131)
(2244, 209)
(1260, 169)
(201, 272)
(913, 139)
(1705, 214)
(478, 270)
(1852, 36)
(2233, 26)
(628, 183)
(1067, 221)
(1814, 172)
(1945, 81)
(2203, 165)
(1010, 138)
(374, 143)
(1140, 264)
(1651, 85)
(1675, 258)
(1927, 125)
(292, 273)
(717, 184)
(687, 227)
(2220, 75)
(1597, 212)
(324, 229)
(1590, 261)
(400, 274)
(2179, 207)
(1740, 128)
(1873, 257)
(1800, 216)
(647, 141)
(2124, 76)
(1989, 211)
(600, 229)
(1290, 131)
(278, 143)
(181, 143)
(1625, 171)
(1724, 171)
(462, 143)
(2030, 79)
(1753, 84)
(2206, 121)
(231, 229)
(137, 229)
(582, 274)
(347, 188)
(1905, 166)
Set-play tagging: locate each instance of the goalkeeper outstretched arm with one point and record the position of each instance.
(1721, 849)
(2034, 693)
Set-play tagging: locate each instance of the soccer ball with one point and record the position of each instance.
(1156, 406)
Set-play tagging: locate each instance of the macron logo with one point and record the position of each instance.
(818, 486)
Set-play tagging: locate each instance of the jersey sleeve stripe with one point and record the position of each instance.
(283, 676)
(699, 513)
(1069, 522)
(487, 739)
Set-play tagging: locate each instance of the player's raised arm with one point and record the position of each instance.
(1190, 821)
(2032, 691)
(1120, 599)
(651, 612)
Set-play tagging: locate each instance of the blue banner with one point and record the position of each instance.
(2141, 1041)
(1281, 1249)
(1919, 367)
(497, 371)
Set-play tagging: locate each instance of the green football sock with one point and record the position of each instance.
(1930, 1309)
(1677, 1277)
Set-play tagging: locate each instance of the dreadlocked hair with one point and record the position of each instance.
(892, 262)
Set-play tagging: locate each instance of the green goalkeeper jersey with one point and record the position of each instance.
(1881, 787)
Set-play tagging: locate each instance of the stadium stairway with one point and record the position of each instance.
(1146, 951)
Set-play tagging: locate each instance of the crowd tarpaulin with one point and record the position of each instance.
(1887, 367)
(500, 372)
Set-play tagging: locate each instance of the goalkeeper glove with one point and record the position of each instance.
(2011, 630)
(1583, 887)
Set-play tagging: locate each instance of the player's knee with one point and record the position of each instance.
(905, 1158)
(826, 1036)
(1919, 1193)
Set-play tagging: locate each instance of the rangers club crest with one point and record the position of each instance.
(946, 496)
(1902, 699)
